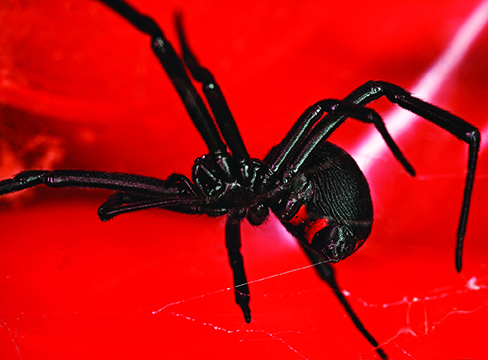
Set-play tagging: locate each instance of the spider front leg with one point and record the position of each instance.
(233, 245)
(180, 195)
(133, 192)
(120, 203)
(142, 185)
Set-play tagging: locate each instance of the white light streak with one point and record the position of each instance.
(399, 120)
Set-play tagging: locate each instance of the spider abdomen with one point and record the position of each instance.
(334, 216)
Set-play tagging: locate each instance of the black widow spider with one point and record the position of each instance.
(314, 187)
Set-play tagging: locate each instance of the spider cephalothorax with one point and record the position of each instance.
(313, 187)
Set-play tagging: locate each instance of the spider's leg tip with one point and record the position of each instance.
(459, 265)
(246, 311)
(411, 171)
(247, 318)
(242, 300)
(104, 216)
(408, 167)
(382, 354)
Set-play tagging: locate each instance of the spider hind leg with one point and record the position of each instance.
(326, 273)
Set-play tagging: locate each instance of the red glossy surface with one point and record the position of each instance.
(81, 89)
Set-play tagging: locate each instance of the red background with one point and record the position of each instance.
(80, 88)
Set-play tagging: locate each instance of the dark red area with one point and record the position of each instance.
(80, 88)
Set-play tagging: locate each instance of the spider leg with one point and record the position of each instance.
(142, 185)
(456, 126)
(308, 132)
(233, 244)
(121, 203)
(133, 192)
(451, 123)
(175, 69)
(326, 273)
(307, 142)
(218, 105)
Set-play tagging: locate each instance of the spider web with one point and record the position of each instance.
(295, 315)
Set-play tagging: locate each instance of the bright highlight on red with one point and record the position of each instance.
(399, 121)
